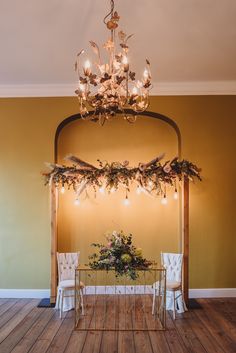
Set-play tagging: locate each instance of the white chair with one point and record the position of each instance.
(67, 263)
(173, 265)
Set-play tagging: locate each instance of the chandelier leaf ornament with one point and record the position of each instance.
(151, 178)
(110, 87)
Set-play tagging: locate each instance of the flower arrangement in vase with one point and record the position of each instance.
(120, 255)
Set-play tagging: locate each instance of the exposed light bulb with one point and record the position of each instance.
(134, 91)
(126, 201)
(176, 196)
(112, 190)
(164, 200)
(63, 190)
(101, 190)
(87, 64)
(77, 202)
(139, 190)
(150, 184)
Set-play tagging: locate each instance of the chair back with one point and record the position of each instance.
(173, 264)
(67, 263)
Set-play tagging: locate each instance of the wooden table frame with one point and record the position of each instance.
(184, 205)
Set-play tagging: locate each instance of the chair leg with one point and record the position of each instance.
(61, 303)
(174, 305)
(82, 301)
(153, 301)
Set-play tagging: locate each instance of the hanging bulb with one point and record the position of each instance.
(63, 190)
(176, 196)
(164, 200)
(112, 190)
(138, 190)
(150, 184)
(126, 201)
(77, 202)
(101, 190)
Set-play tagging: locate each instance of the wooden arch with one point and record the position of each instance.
(184, 200)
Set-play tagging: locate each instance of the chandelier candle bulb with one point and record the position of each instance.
(63, 190)
(145, 74)
(87, 68)
(134, 91)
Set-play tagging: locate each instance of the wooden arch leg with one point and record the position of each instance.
(53, 201)
(185, 239)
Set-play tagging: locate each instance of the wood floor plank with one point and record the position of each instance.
(174, 340)
(126, 342)
(76, 342)
(204, 335)
(7, 305)
(3, 301)
(109, 343)
(45, 338)
(142, 342)
(33, 333)
(60, 341)
(12, 311)
(217, 330)
(15, 336)
(93, 342)
(190, 339)
(11, 324)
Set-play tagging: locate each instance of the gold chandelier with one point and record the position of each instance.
(111, 87)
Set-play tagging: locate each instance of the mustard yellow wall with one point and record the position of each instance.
(208, 128)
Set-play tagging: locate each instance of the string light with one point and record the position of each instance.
(126, 201)
(101, 190)
(77, 202)
(164, 200)
(139, 190)
(176, 196)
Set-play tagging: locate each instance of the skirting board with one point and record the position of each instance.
(45, 293)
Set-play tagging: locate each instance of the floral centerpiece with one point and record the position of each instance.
(119, 254)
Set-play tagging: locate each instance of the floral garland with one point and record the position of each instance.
(150, 177)
(119, 254)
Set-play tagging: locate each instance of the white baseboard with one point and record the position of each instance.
(25, 293)
(45, 293)
(212, 293)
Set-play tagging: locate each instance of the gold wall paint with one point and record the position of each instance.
(208, 128)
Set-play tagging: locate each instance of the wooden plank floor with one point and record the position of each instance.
(26, 328)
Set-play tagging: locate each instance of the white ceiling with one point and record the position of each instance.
(186, 40)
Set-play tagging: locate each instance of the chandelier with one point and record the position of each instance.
(111, 87)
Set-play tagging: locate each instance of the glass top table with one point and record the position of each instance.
(117, 303)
